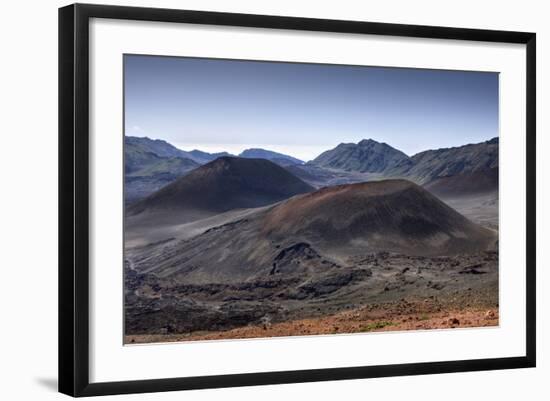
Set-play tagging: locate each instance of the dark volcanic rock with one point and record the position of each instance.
(155, 305)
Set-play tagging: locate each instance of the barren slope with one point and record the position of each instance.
(224, 184)
(315, 234)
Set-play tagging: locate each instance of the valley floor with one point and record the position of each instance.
(481, 209)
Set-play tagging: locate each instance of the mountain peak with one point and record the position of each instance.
(367, 156)
(368, 141)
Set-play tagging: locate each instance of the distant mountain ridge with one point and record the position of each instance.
(151, 164)
(157, 146)
(205, 157)
(164, 149)
(279, 158)
(467, 159)
(468, 162)
(367, 156)
(473, 168)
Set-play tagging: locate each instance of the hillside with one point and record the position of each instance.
(149, 165)
(157, 147)
(462, 160)
(224, 184)
(319, 231)
(162, 148)
(389, 215)
(367, 156)
(478, 182)
(458, 171)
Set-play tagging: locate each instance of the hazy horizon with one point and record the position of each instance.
(303, 110)
(240, 149)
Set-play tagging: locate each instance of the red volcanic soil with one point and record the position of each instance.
(394, 215)
(340, 201)
(399, 316)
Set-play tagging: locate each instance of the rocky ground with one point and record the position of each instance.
(397, 316)
(379, 291)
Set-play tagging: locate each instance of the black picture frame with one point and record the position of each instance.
(74, 192)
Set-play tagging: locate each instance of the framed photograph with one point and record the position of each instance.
(250, 199)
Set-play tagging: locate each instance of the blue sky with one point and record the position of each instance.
(304, 109)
